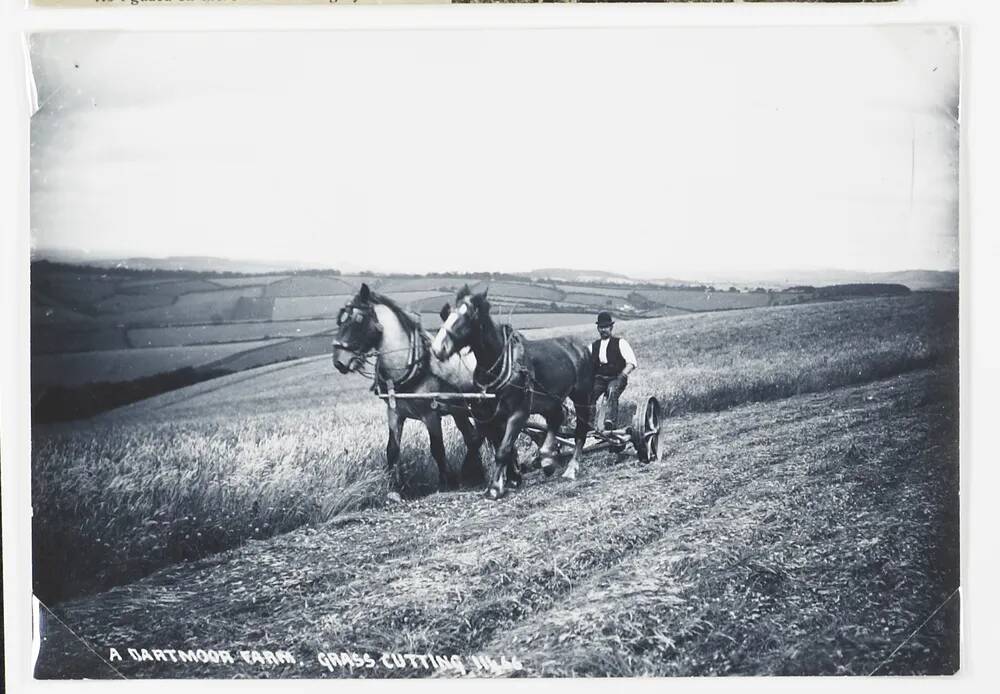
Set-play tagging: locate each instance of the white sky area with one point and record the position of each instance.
(657, 153)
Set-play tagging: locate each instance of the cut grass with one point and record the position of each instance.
(808, 536)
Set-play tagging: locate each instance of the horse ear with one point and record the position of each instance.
(365, 292)
(480, 299)
(445, 312)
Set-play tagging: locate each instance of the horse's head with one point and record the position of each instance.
(358, 332)
(461, 323)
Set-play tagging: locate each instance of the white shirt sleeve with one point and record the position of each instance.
(627, 353)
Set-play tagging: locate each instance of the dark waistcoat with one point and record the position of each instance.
(616, 362)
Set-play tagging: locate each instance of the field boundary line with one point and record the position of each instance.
(237, 377)
(915, 631)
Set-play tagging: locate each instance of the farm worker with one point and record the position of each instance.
(613, 361)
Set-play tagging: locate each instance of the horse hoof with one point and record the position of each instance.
(548, 469)
(570, 474)
(493, 494)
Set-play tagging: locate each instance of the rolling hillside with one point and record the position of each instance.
(97, 328)
(802, 520)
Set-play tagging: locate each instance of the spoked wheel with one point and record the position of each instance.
(646, 432)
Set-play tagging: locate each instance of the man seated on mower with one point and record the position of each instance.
(613, 361)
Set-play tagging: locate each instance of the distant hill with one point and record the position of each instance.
(568, 275)
(192, 263)
(915, 280)
(920, 279)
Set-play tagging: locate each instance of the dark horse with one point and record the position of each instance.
(527, 376)
(372, 324)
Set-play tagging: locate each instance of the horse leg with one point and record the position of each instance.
(550, 447)
(395, 421)
(495, 434)
(433, 424)
(582, 406)
(472, 466)
(506, 456)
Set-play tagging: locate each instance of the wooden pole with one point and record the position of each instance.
(438, 396)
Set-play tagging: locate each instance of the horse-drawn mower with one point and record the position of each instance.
(637, 428)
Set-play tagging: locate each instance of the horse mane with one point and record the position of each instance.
(410, 324)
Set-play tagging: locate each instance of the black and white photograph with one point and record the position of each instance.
(594, 352)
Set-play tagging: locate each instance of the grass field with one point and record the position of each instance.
(391, 285)
(196, 307)
(126, 364)
(306, 307)
(710, 301)
(168, 288)
(259, 453)
(813, 535)
(519, 290)
(52, 339)
(599, 301)
(308, 286)
(592, 289)
(74, 289)
(232, 332)
(256, 281)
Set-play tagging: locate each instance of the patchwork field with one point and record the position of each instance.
(94, 325)
(232, 332)
(127, 364)
(713, 301)
(802, 520)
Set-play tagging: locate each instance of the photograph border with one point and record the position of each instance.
(979, 36)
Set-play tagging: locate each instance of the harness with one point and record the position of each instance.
(485, 379)
(416, 363)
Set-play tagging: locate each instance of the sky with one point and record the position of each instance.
(649, 152)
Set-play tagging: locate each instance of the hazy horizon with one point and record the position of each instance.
(71, 256)
(650, 153)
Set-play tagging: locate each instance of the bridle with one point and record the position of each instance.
(359, 314)
(416, 359)
(465, 307)
(506, 361)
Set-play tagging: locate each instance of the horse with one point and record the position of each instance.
(372, 324)
(527, 377)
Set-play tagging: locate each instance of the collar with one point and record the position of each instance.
(505, 362)
(415, 365)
